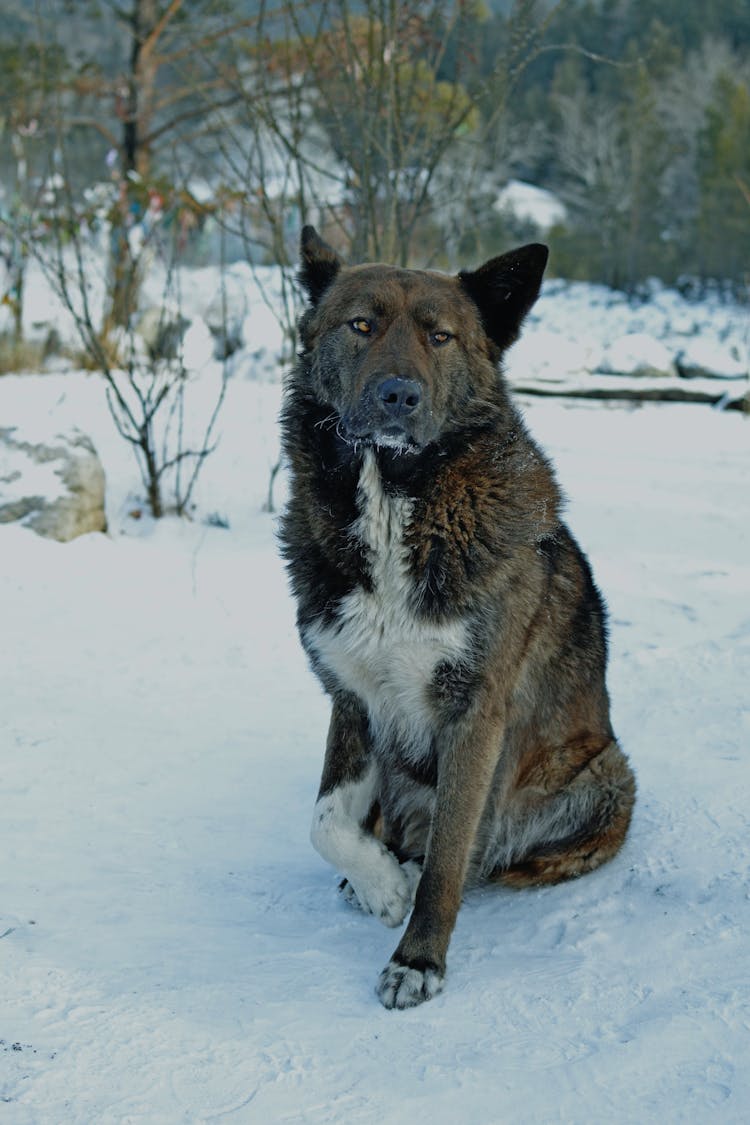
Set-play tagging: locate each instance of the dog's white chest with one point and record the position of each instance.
(377, 647)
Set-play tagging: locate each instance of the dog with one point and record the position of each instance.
(443, 604)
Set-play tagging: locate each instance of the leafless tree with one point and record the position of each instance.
(168, 86)
(23, 123)
(342, 115)
(147, 380)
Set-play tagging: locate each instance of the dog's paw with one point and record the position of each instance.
(405, 986)
(391, 898)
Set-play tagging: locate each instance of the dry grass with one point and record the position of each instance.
(21, 355)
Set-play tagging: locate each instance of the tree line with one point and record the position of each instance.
(646, 138)
(394, 125)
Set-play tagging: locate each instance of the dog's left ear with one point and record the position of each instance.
(505, 288)
(319, 264)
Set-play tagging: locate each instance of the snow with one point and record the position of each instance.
(22, 476)
(587, 338)
(637, 353)
(701, 355)
(172, 948)
(531, 204)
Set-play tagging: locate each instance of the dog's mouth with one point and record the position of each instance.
(395, 439)
(392, 437)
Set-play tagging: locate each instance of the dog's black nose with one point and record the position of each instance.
(399, 396)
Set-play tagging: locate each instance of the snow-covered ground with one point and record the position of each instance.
(172, 949)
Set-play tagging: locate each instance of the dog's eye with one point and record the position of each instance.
(361, 326)
(437, 339)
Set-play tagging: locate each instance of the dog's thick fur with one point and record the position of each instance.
(444, 605)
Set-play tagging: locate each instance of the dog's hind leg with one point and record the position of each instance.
(550, 837)
(342, 821)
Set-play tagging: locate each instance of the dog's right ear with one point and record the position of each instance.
(319, 264)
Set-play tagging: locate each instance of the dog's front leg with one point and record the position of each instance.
(348, 791)
(466, 764)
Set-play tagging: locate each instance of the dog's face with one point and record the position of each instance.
(405, 356)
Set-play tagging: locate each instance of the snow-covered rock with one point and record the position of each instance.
(637, 353)
(551, 357)
(56, 487)
(530, 204)
(704, 357)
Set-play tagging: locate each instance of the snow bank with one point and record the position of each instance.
(637, 353)
(578, 336)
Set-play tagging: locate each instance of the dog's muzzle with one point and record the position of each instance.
(391, 412)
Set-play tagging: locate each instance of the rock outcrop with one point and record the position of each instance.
(56, 488)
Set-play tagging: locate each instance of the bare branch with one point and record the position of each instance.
(149, 43)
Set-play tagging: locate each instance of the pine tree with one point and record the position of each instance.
(723, 228)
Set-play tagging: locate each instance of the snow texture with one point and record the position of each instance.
(580, 336)
(531, 204)
(172, 949)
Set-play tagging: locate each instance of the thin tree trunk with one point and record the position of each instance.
(135, 159)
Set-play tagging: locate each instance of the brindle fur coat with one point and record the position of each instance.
(444, 605)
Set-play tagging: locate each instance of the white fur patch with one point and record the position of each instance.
(393, 895)
(381, 886)
(377, 647)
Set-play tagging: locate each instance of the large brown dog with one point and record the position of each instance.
(443, 604)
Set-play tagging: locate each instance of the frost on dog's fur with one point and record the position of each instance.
(443, 604)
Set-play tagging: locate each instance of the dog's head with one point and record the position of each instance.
(405, 356)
